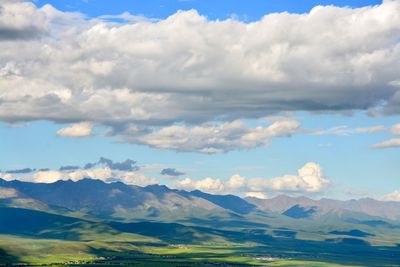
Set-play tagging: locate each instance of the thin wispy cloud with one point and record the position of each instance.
(392, 143)
(344, 130)
(24, 170)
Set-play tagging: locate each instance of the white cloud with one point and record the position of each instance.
(127, 17)
(394, 196)
(372, 129)
(82, 129)
(74, 69)
(209, 185)
(344, 130)
(16, 21)
(95, 173)
(310, 179)
(6, 176)
(104, 169)
(104, 174)
(311, 174)
(136, 179)
(215, 138)
(49, 176)
(259, 195)
(236, 182)
(392, 143)
(396, 129)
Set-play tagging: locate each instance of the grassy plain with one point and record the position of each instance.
(53, 239)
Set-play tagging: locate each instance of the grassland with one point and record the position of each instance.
(133, 250)
(51, 239)
(53, 253)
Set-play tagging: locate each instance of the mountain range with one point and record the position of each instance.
(92, 212)
(98, 198)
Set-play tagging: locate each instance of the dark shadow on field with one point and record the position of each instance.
(338, 251)
(347, 250)
(219, 223)
(181, 234)
(373, 223)
(6, 258)
(350, 250)
(24, 222)
(355, 255)
(285, 233)
(167, 232)
(38, 224)
(354, 232)
(137, 258)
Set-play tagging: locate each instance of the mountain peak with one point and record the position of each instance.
(90, 180)
(157, 186)
(63, 181)
(157, 189)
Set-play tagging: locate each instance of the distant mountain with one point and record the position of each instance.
(287, 205)
(113, 220)
(118, 200)
(230, 202)
(11, 197)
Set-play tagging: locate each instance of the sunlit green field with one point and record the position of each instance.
(133, 250)
(53, 239)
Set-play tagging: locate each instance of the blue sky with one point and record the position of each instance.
(220, 9)
(331, 125)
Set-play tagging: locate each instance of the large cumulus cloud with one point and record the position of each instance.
(16, 21)
(309, 180)
(215, 138)
(146, 74)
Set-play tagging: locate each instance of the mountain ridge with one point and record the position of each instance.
(109, 199)
(369, 206)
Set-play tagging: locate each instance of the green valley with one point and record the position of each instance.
(157, 230)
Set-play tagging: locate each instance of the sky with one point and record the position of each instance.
(254, 98)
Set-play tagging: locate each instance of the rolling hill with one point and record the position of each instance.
(91, 220)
